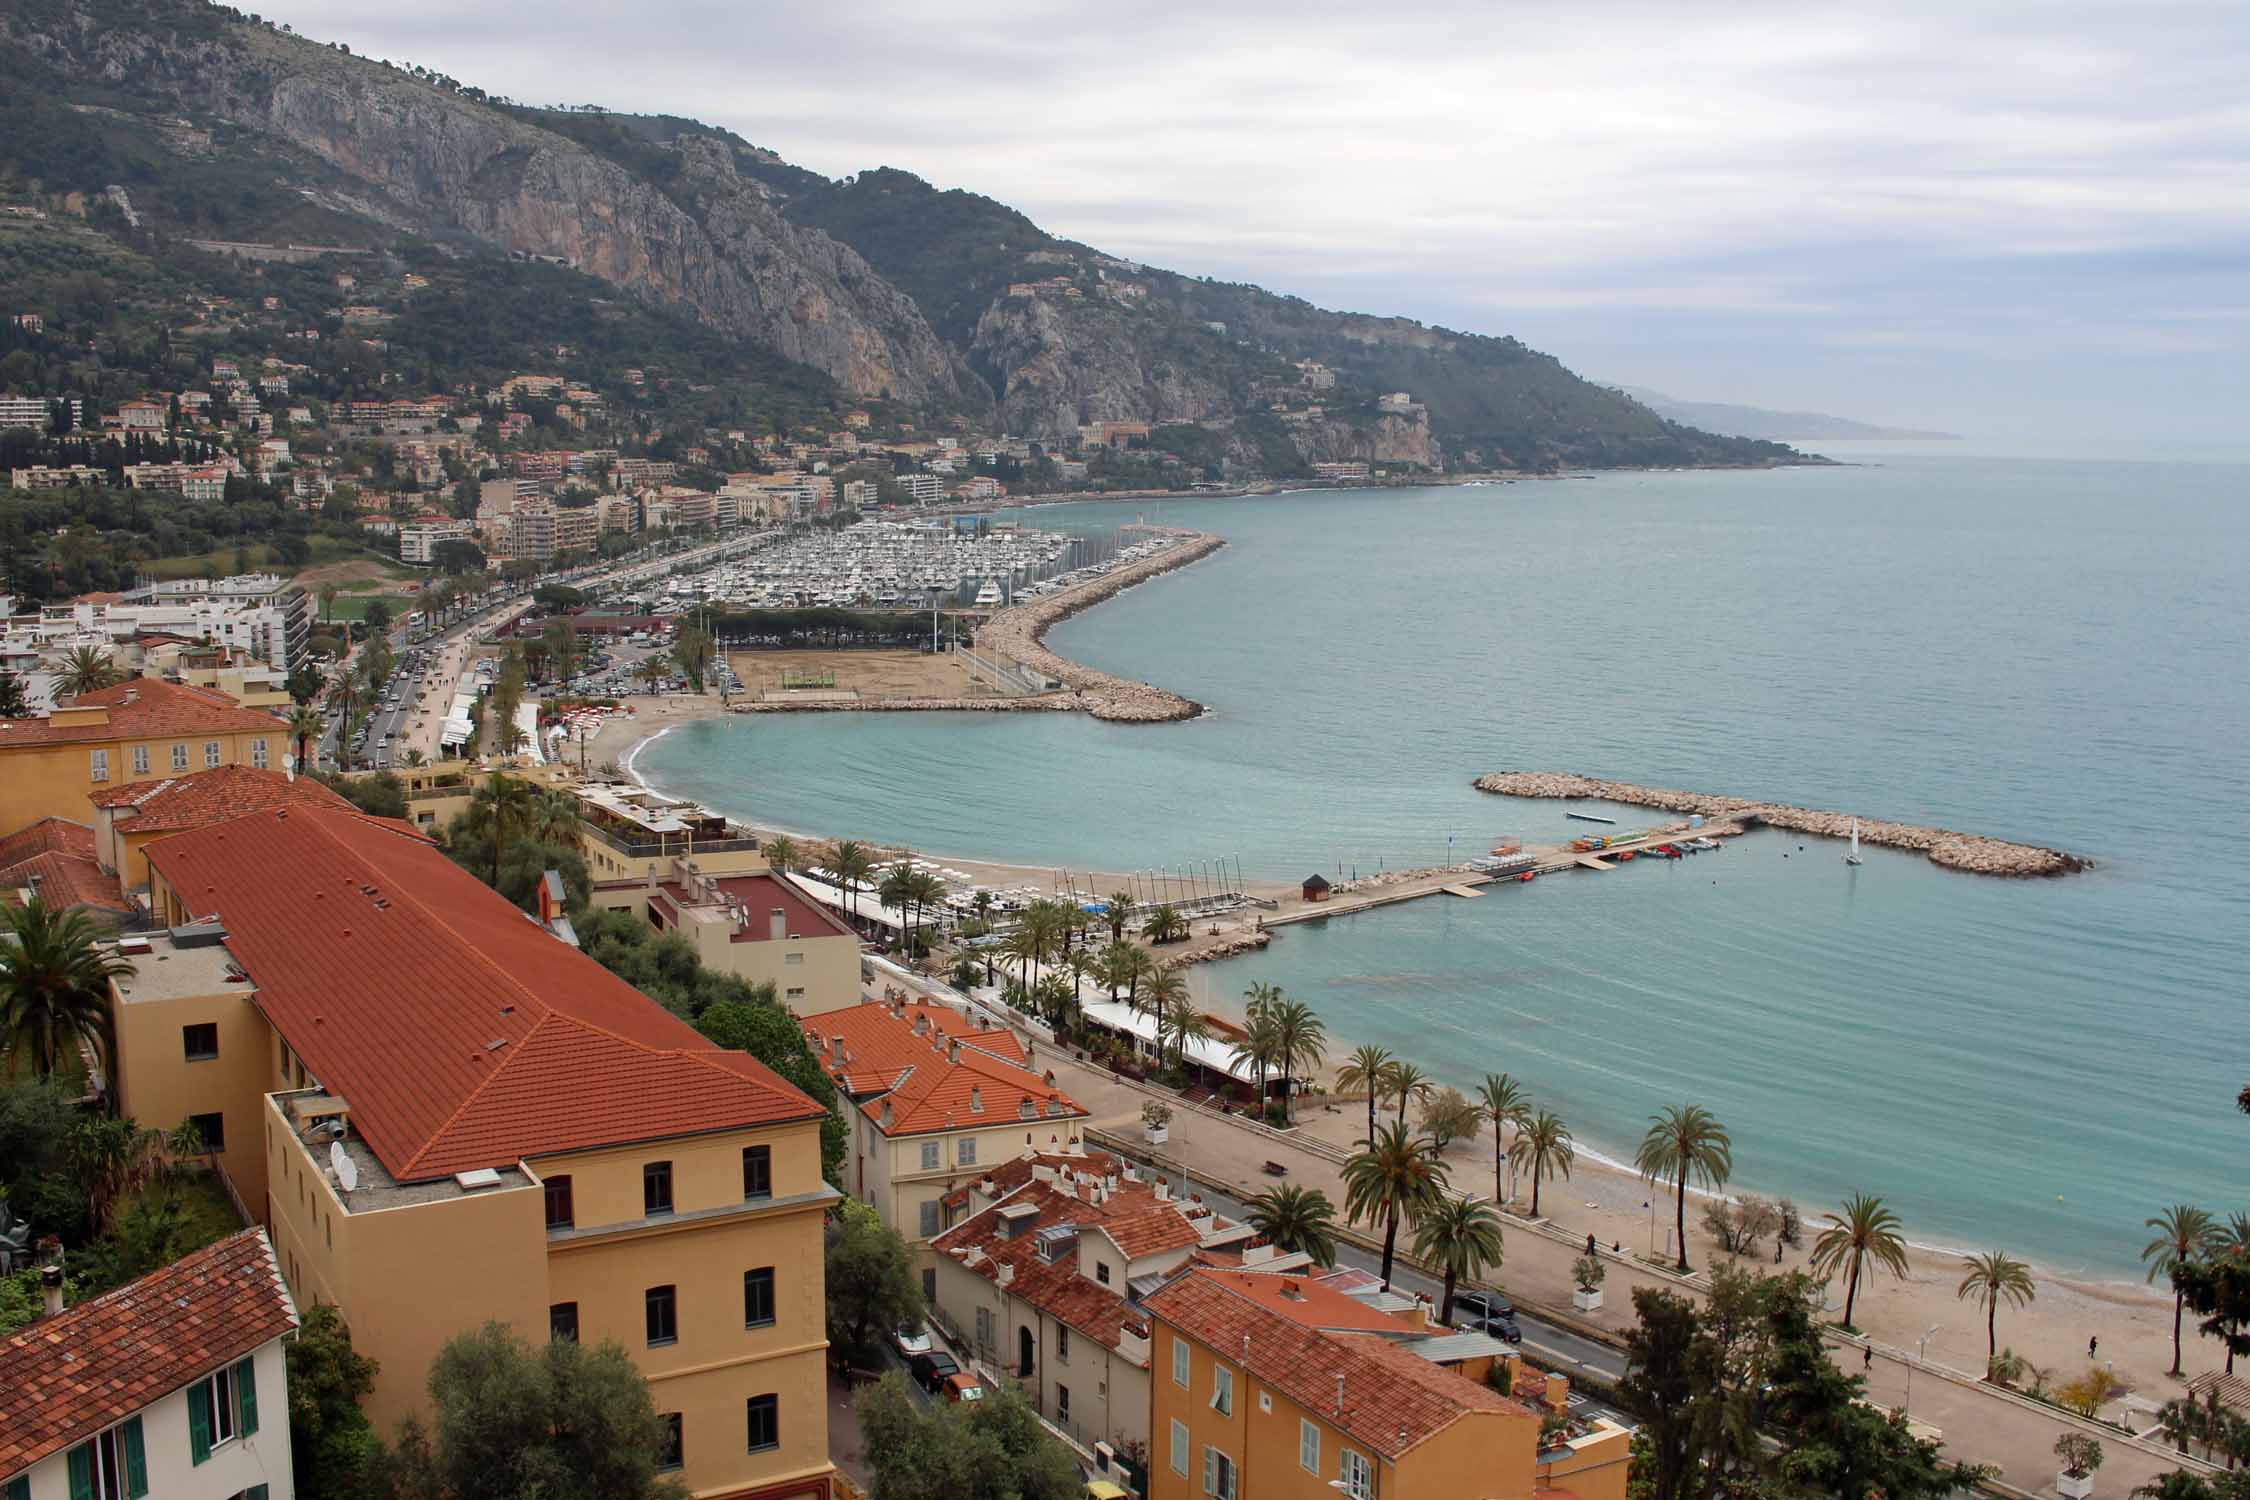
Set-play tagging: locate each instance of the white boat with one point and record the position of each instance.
(1853, 857)
(988, 597)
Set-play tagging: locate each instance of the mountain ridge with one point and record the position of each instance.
(1776, 426)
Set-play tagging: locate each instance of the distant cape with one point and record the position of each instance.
(1773, 426)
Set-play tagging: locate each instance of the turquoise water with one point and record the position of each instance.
(2053, 651)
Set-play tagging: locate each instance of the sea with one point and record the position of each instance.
(2041, 645)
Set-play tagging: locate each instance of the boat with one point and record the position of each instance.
(1853, 857)
(988, 597)
(1526, 877)
(1589, 817)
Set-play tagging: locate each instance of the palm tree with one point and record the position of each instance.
(1296, 1220)
(1396, 1173)
(1685, 1141)
(304, 726)
(54, 987)
(1120, 912)
(344, 696)
(327, 602)
(892, 890)
(500, 801)
(781, 853)
(1164, 925)
(1992, 1276)
(1260, 1046)
(414, 758)
(1368, 1069)
(850, 862)
(86, 669)
(1115, 967)
(1544, 1148)
(1460, 1236)
(1046, 921)
(2184, 1235)
(1507, 1105)
(1184, 1020)
(1409, 1085)
(1304, 1045)
(1864, 1231)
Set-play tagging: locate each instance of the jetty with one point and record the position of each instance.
(1971, 853)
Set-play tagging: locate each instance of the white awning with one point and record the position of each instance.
(1216, 1055)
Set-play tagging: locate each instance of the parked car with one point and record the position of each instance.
(930, 1370)
(911, 1340)
(1488, 1313)
(963, 1387)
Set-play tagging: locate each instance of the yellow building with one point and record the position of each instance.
(761, 927)
(138, 730)
(1281, 1387)
(629, 831)
(444, 1116)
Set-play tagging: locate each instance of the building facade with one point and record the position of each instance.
(139, 730)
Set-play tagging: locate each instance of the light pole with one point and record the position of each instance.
(1906, 1405)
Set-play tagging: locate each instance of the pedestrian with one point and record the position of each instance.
(1867, 1359)
(2093, 1345)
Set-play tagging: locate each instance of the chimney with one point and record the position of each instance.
(836, 1051)
(50, 1287)
(953, 1049)
(886, 1113)
(777, 924)
(1558, 1394)
(976, 1095)
(1007, 1273)
(921, 1025)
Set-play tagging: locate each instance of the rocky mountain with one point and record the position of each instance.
(215, 124)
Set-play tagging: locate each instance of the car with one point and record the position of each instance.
(963, 1387)
(930, 1370)
(1475, 1303)
(1502, 1326)
(912, 1339)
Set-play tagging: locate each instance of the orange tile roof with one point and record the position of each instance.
(66, 882)
(880, 1045)
(1058, 1290)
(393, 971)
(975, 1090)
(1393, 1400)
(66, 1377)
(213, 796)
(47, 836)
(142, 708)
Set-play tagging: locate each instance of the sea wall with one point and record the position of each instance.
(1020, 632)
(1970, 852)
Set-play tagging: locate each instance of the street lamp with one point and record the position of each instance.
(1906, 1406)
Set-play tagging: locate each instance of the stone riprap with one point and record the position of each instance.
(1969, 852)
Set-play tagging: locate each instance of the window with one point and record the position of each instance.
(663, 1315)
(929, 1219)
(1180, 1365)
(201, 1041)
(1101, 1272)
(796, 992)
(984, 1328)
(1062, 1343)
(1222, 1390)
(791, 960)
(656, 1188)
(1218, 1475)
(560, 1214)
(1062, 1405)
(562, 1322)
(179, 757)
(140, 760)
(765, 1423)
(757, 1171)
(671, 1455)
(1308, 1446)
(213, 1129)
(98, 765)
(930, 1156)
(111, 1465)
(966, 1153)
(221, 1409)
(757, 1298)
(258, 753)
(1358, 1478)
(1179, 1446)
(210, 755)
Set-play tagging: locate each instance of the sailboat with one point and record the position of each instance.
(1853, 857)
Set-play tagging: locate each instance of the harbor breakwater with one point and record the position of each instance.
(1973, 853)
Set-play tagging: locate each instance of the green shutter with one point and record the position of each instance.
(199, 1421)
(257, 1492)
(82, 1472)
(246, 1396)
(136, 1458)
(19, 1488)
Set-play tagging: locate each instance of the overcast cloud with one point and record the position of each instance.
(2009, 220)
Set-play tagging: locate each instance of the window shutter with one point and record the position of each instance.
(82, 1472)
(1210, 1470)
(246, 1395)
(199, 1421)
(136, 1459)
(19, 1488)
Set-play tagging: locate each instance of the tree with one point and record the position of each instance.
(1449, 1116)
(781, 853)
(1461, 1237)
(1409, 1085)
(377, 616)
(872, 1287)
(2184, 1235)
(561, 641)
(1397, 1174)
(1260, 1046)
(330, 1438)
(1368, 1070)
(1303, 1045)
(86, 669)
(1685, 1141)
(2218, 1287)
(1296, 1219)
(1699, 1424)
(1178, 1015)
(694, 651)
(304, 728)
(566, 1421)
(54, 987)
(993, 1449)
(1118, 911)
(327, 597)
(1544, 1148)
(1506, 1104)
(1991, 1277)
(1865, 1231)
(850, 863)
(2079, 1453)
(1164, 925)
(501, 801)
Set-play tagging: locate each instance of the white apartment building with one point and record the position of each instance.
(418, 539)
(35, 411)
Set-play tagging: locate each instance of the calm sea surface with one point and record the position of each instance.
(2052, 651)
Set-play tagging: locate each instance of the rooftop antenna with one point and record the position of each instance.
(347, 1170)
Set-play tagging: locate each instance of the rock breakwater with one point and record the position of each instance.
(1973, 853)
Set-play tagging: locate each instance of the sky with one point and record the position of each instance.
(2007, 220)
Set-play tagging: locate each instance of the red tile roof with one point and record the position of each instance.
(758, 895)
(1393, 1400)
(1058, 1290)
(66, 1377)
(213, 796)
(881, 1044)
(392, 971)
(66, 882)
(142, 708)
(47, 836)
(940, 1091)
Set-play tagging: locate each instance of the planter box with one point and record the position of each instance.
(2074, 1489)
(1157, 1134)
(1586, 1301)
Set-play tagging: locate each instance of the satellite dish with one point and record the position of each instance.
(347, 1170)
